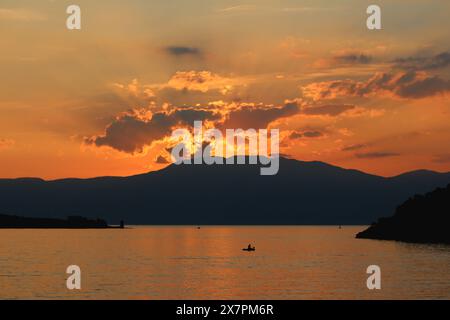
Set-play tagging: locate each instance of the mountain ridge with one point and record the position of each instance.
(407, 173)
(303, 192)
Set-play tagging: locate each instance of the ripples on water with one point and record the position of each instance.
(208, 263)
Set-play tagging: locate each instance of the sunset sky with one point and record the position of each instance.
(105, 99)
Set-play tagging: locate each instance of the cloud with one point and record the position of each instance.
(258, 116)
(424, 87)
(248, 8)
(305, 134)
(412, 85)
(132, 131)
(353, 147)
(376, 155)
(183, 88)
(202, 81)
(353, 58)
(345, 58)
(6, 143)
(238, 8)
(20, 15)
(182, 51)
(327, 109)
(438, 61)
(442, 158)
(135, 93)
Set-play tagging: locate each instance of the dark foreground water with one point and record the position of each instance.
(188, 263)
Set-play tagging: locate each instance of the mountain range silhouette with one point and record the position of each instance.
(301, 193)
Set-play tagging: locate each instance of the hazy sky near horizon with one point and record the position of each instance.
(103, 100)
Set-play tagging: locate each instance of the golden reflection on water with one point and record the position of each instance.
(208, 263)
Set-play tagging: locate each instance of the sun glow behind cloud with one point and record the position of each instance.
(105, 101)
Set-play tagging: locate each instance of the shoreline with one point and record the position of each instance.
(71, 222)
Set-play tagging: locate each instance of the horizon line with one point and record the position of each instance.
(247, 156)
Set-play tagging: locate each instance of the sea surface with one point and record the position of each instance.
(166, 262)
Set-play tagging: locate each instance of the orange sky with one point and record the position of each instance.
(103, 100)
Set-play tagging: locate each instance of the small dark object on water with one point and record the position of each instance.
(249, 248)
(122, 224)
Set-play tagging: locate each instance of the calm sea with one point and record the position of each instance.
(208, 263)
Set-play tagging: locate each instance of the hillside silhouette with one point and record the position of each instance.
(421, 219)
(74, 222)
(301, 193)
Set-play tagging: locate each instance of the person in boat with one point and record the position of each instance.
(249, 248)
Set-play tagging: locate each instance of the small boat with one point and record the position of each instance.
(249, 249)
